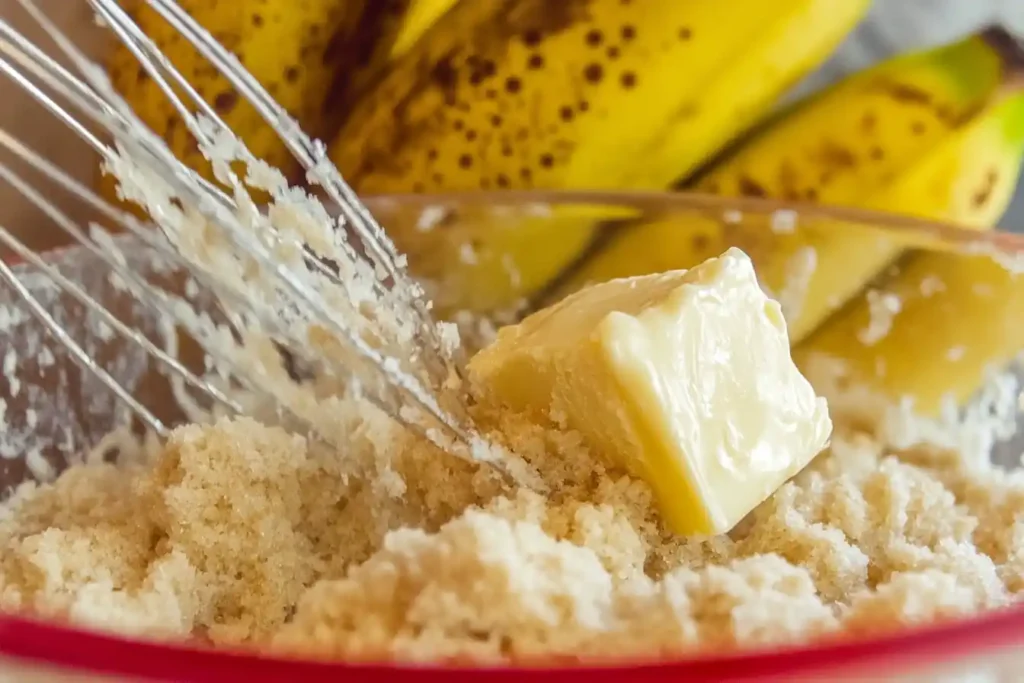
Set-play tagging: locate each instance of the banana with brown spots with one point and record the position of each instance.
(935, 134)
(573, 94)
(934, 326)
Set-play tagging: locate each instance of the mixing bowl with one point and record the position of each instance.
(55, 411)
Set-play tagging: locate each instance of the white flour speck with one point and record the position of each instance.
(784, 221)
(883, 307)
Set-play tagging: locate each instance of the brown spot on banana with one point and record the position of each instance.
(907, 94)
(984, 193)
(836, 156)
(913, 96)
(223, 102)
(869, 122)
(444, 76)
(789, 178)
(749, 187)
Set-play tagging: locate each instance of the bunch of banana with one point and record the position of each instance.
(313, 57)
(572, 94)
(936, 134)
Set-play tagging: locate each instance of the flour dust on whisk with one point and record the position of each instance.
(299, 289)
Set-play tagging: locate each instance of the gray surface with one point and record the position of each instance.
(898, 25)
(1015, 216)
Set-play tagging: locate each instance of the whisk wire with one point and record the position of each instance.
(296, 290)
(79, 355)
(149, 295)
(311, 154)
(134, 335)
(143, 291)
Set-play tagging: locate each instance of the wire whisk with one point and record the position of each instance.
(327, 288)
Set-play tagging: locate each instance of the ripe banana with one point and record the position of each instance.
(574, 94)
(930, 134)
(295, 50)
(936, 325)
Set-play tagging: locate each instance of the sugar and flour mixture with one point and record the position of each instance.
(243, 535)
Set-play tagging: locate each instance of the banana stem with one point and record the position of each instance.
(1010, 48)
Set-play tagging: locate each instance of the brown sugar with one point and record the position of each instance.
(245, 535)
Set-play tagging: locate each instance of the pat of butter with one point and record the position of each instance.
(685, 378)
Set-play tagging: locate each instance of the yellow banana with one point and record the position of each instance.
(582, 93)
(295, 50)
(922, 135)
(957, 317)
(574, 94)
(937, 324)
(420, 16)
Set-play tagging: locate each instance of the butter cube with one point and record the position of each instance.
(684, 378)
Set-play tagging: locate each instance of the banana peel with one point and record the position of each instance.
(582, 94)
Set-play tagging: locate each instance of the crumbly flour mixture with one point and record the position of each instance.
(247, 536)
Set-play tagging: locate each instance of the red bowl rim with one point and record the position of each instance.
(74, 649)
(29, 639)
